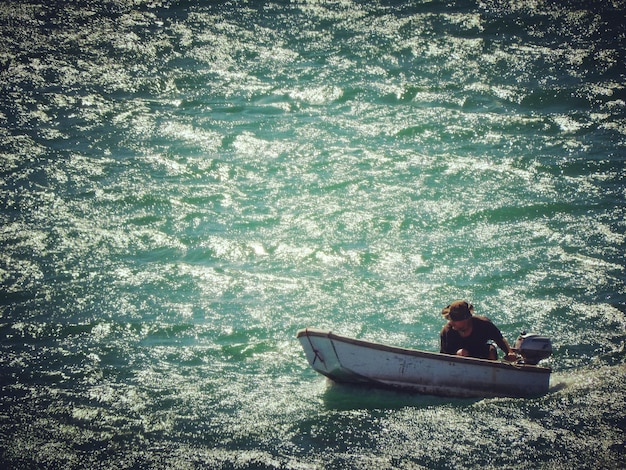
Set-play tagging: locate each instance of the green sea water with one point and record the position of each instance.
(185, 184)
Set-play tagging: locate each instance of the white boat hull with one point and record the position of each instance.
(349, 360)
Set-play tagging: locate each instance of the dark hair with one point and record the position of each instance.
(458, 311)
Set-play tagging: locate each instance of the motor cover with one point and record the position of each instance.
(533, 348)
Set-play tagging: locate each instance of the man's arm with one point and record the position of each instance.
(503, 344)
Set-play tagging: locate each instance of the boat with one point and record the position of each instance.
(355, 361)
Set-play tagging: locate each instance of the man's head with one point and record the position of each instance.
(458, 311)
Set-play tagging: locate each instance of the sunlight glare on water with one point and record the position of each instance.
(186, 184)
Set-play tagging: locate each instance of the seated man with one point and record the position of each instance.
(469, 335)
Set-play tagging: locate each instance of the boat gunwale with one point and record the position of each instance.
(419, 353)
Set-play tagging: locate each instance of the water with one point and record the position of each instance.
(186, 184)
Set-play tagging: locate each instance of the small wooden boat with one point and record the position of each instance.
(350, 360)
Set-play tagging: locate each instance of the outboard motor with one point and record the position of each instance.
(533, 348)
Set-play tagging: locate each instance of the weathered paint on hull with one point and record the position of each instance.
(349, 360)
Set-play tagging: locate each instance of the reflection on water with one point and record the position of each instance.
(344, 397)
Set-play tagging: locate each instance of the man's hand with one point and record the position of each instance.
(510, 356)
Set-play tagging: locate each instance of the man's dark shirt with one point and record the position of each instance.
(476, 343)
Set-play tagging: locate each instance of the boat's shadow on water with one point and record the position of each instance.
(354, 397)
(339, 396)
